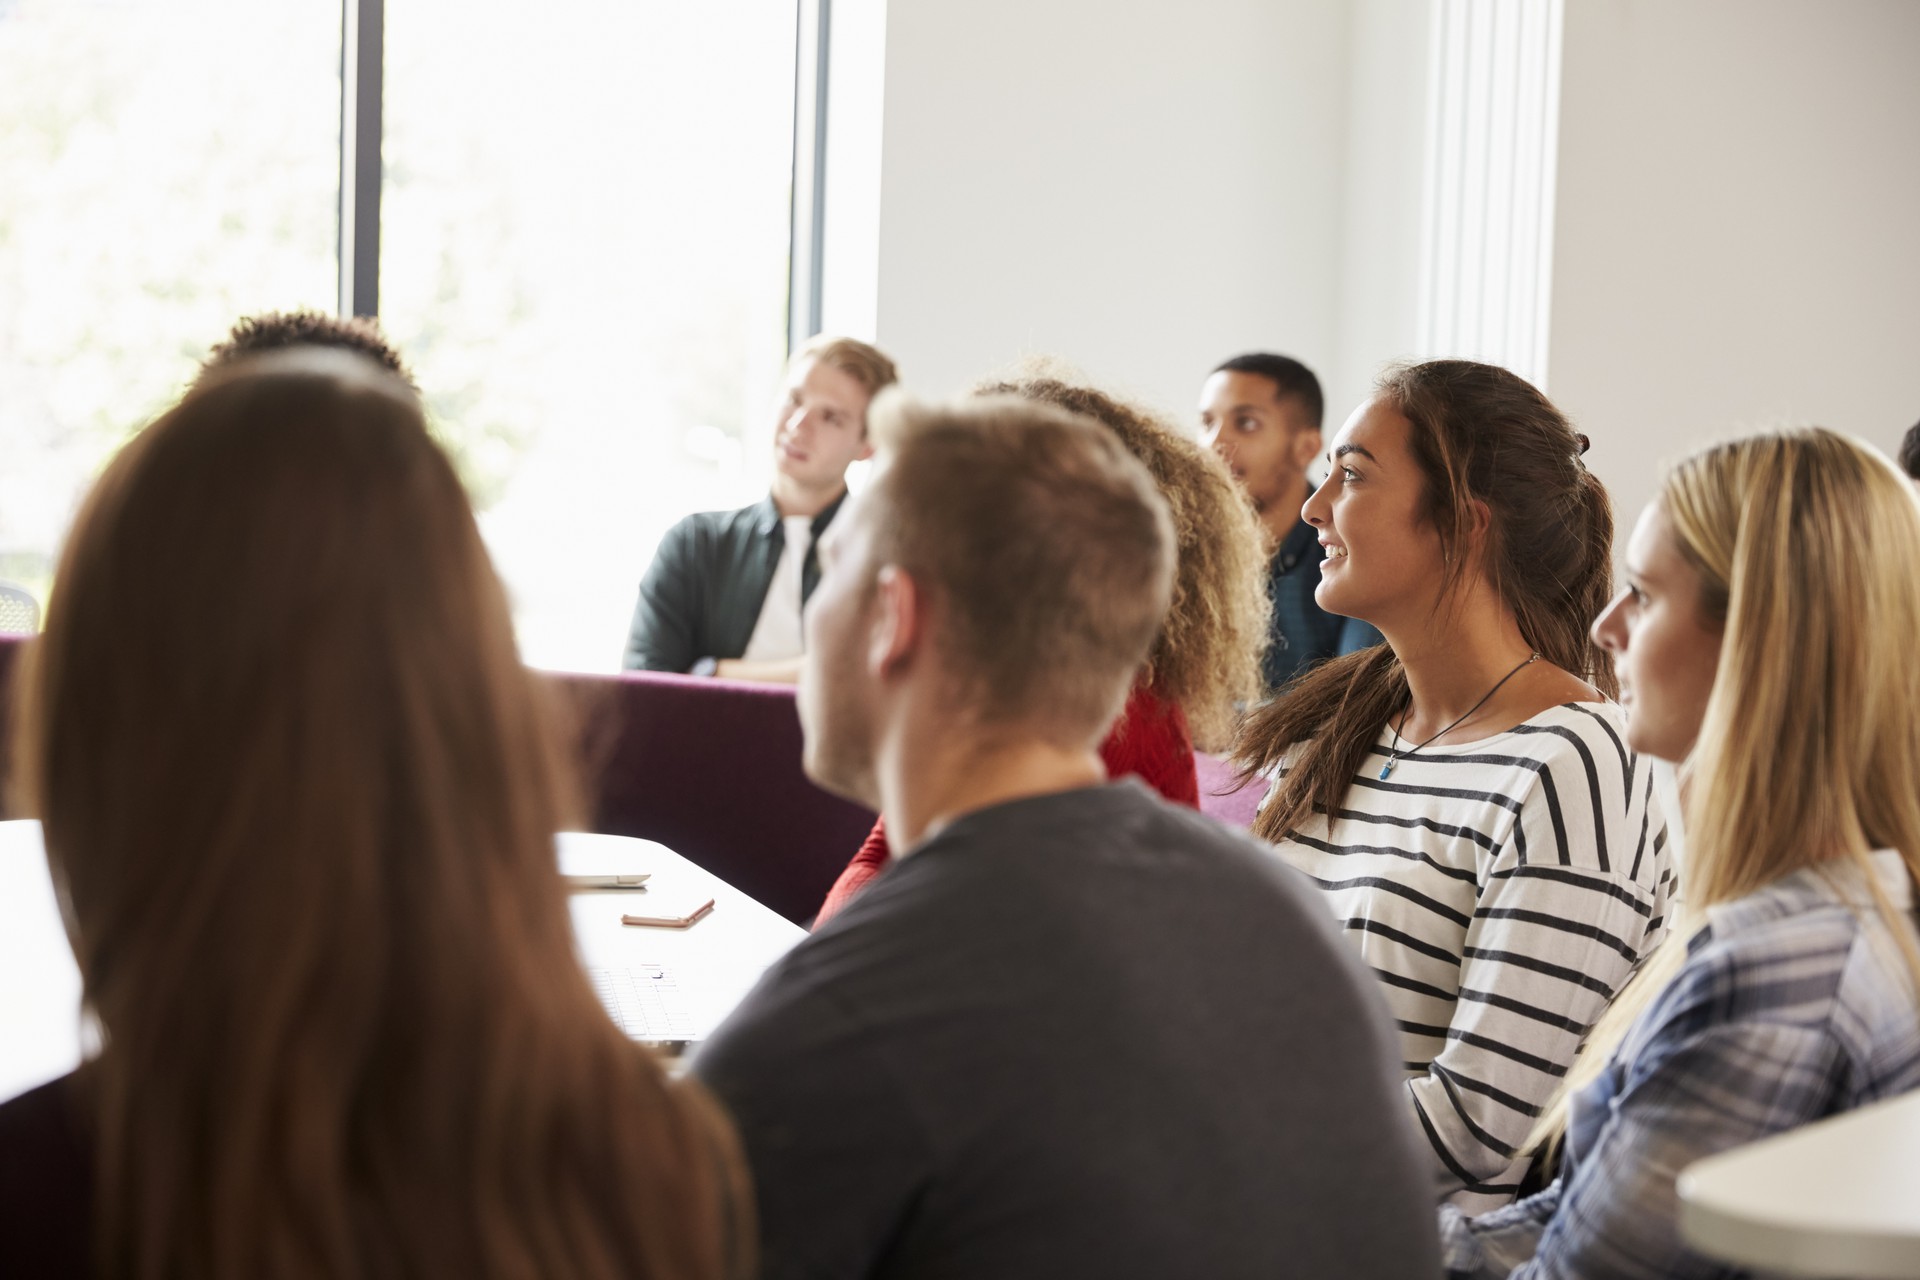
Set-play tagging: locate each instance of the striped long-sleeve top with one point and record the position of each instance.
(1502, 890)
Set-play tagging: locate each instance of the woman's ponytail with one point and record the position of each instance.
(1594, 588)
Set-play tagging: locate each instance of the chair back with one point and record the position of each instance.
(11, 648)
(711, 769)
(19, 611)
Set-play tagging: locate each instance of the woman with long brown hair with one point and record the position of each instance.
(299, 797)
(1205, 663)
(1765, 639)
(1462, 794)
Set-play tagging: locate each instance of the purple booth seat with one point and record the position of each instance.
(1223, 795)
(10, 650)
(711, 769)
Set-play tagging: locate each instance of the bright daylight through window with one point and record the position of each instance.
(153, 188)
(584, 245)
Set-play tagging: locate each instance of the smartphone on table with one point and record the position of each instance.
(678, 912)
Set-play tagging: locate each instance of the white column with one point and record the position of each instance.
(1492, 135)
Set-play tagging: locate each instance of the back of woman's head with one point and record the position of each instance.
(1808, 548)
(300, 796)
(1483, 438)
(1207, 656)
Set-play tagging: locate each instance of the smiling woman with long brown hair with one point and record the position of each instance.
(299, 796)
(1461, 794)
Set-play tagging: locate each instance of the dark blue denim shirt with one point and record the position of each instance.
(1304, 634)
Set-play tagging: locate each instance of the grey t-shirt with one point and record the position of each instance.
(1082, 1034)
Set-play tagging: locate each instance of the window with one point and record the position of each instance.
(154, 186)
(584, 251)
(585, 213)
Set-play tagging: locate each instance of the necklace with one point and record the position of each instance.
(1393, 755)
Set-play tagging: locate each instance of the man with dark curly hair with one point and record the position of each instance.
(1910, 452)
(276, 330)
(724, 592)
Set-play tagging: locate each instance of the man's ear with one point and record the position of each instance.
(1307, 445)
(899, 622)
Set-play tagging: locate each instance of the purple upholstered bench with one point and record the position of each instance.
(711, 769)
(11, 646)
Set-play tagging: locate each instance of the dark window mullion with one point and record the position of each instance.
(362, 75)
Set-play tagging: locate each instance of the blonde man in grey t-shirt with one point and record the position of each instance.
(1072, 1030)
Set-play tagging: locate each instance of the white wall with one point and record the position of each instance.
(1141, 188)
(1739, 196)
(1144, 189)
(1387, 96)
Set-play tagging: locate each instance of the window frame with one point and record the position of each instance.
(362, 101)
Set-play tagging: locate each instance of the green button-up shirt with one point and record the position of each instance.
(703, 592)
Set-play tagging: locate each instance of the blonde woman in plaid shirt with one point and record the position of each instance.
(1765, 638)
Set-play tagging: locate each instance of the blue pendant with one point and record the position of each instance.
(1386, 769)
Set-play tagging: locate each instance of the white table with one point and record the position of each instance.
(1840, 1198)
(39, 985)
(716, 959)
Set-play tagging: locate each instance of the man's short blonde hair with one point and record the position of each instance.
(1045, 546)
(866, 365)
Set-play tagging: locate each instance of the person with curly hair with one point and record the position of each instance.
(1205, 663)
(277, 330)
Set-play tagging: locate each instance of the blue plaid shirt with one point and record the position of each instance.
(1794, 1003)
(1303, 633)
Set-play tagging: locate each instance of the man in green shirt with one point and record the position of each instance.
(724, 592)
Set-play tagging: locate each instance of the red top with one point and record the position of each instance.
(1149, 741)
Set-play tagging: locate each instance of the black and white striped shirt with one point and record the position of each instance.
(1502, 890)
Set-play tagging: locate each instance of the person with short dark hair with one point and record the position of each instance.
(277, 330)
(1074, 1030)
(1910, 452)
(1262, 413)
(725, 589)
